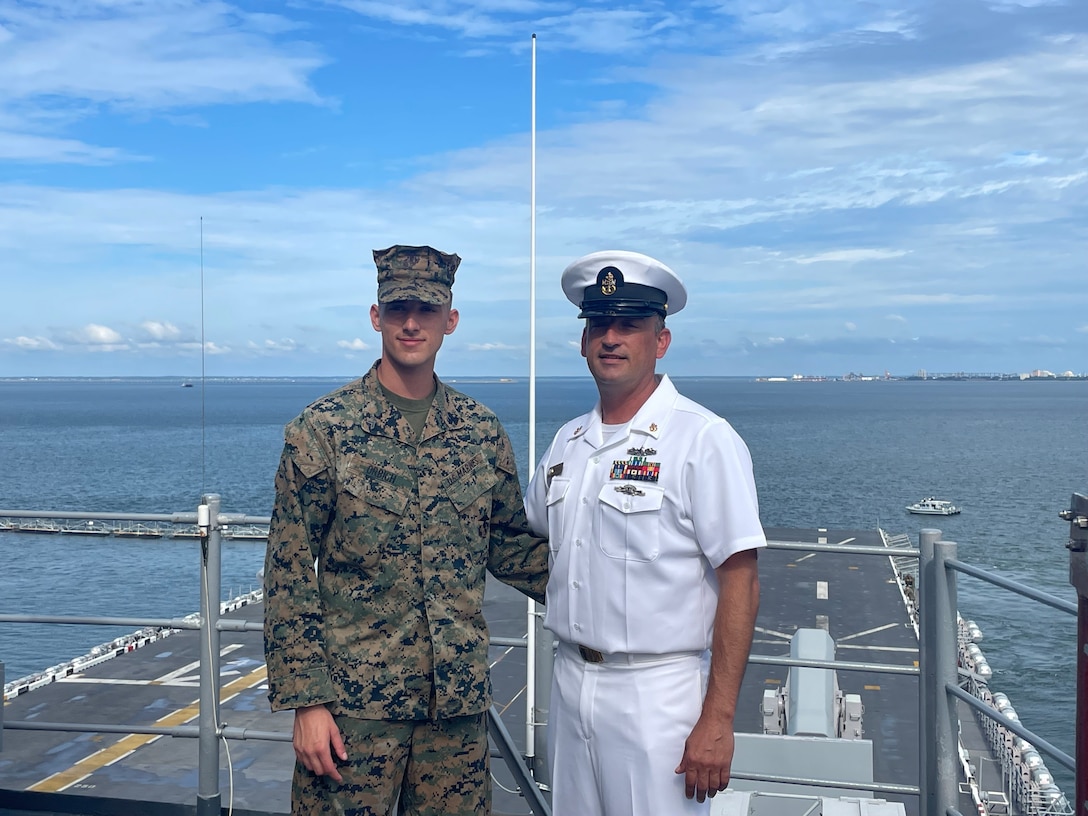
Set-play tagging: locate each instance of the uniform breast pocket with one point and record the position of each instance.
(631, 521)
(556, 501)
(368, 511)
(471, 497)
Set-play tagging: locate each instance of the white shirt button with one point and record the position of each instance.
(574, 584)
(578, 627)
(585, 500)
(578, 542)
(596, 460)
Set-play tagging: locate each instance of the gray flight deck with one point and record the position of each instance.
(855, 597)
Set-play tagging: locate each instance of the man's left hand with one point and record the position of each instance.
(708, 755)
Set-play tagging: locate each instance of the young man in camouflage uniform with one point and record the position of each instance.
(403, 492)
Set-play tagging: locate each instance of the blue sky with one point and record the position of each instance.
(860, 186)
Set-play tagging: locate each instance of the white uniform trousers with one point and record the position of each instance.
(616, 733)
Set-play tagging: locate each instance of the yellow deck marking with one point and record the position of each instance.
(126, 745)
(872, 688)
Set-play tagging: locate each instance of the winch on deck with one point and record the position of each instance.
(811, 704)
(809, 724)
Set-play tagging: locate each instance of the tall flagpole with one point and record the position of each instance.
(530, 650)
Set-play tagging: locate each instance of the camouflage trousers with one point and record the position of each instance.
(424, 768)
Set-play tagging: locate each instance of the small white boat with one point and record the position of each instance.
(930, 506)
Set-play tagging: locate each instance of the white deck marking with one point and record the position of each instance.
(773, 633)
(821, 590)
(847, 540)
(180, 682)
(178, 677)
(878, 648)
(869, 631)
(804, 558)
(188, 668)
(498, 660)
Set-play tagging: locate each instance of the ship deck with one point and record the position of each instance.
(854, 597)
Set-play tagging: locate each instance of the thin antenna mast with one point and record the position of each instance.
(533, 614)
(203, 419)
(532, 268)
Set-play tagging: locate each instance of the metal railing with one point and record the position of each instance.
(938, 668)
(210, 522)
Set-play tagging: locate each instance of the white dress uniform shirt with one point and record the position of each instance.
(637, 524)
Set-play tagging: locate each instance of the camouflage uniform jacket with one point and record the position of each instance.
(390, 625)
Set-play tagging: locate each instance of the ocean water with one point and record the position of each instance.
(841, 455)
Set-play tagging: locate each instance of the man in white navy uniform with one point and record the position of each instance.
(650, 507)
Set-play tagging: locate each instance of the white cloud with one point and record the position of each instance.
(1043, 340)
(94, 334)
(62, 62)
(1025, 159)
(801, 165)
(25, 147)
(32, 343)
(161, 330)
(940, 299)
(492, 347)
(564, 26)
(284, 345)
(151, 54)
(850, 256)
(353, 345)
(849, 326)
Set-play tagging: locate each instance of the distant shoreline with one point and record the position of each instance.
(176, 381)
(929, 378)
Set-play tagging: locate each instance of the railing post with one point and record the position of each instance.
(927, 671)
(208, 796)
(1077, 516)
(544, 647)
(945, 746)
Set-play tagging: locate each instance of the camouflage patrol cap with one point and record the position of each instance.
(415, 273)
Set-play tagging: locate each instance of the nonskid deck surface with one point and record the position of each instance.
(858, 601)
(158, 684)
(855, 597)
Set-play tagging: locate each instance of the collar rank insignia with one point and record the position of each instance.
(630, 490)
(636, 469)
(653, 427)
